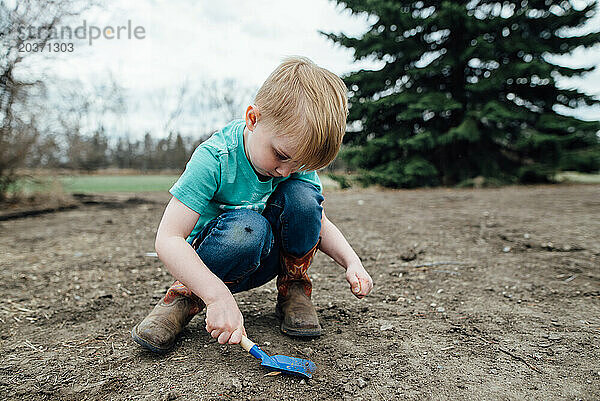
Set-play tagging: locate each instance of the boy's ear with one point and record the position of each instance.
(252, 116)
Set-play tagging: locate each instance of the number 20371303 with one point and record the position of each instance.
(47, 47)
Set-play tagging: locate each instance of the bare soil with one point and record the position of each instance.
(479, 294)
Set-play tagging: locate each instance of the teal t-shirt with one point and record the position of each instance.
(218, 177)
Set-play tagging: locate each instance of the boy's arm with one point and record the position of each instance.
(223, 318)
(335, 245)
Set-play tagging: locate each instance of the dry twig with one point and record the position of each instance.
(440, 264)
(519, 358)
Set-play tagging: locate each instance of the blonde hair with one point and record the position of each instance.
(308, 103)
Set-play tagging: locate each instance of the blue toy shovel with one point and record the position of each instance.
(281, 363)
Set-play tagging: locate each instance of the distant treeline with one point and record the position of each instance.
(98, 151)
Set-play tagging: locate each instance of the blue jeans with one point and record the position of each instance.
(242, 247)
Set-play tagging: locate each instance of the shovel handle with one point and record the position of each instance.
(246, 343)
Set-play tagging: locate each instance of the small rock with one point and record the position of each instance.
(433, 304)
(307, 351)
(302, 381)
(408, 255)
(526, 236)
(171, 396)
(360, 202)
(348, 388)
(441, 309)
(554, 337)
(548, 246)
(361, 382)
(506, 249)
(386, 326)
(236, 384)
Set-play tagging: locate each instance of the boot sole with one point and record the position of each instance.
(290, 331)
(295, 332)
(147, 345)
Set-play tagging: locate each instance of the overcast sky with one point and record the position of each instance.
(199, 41)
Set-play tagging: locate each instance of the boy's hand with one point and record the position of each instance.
(224, 321)
(360, 282)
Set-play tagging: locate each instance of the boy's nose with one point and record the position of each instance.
(284, 170)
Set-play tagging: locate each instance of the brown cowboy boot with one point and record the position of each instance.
(158, 330)
(294, 307)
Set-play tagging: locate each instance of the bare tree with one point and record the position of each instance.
(23, 22)
(200, 107)
(86, 116)
(227, 98)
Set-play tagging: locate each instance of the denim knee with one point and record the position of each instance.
(299, 197)
(234, 243)
(299, 206)
(249, 233)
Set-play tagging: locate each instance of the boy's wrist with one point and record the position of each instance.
(217, 294)
(353, 261)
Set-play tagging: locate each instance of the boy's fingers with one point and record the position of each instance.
(236, 337)
(224, 337)
(355, 284)
(367, 287)
(364, 285)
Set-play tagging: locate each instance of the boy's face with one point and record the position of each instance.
(269, 152)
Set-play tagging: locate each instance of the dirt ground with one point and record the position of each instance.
(479, 294)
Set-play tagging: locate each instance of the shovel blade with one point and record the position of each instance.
(291, 365)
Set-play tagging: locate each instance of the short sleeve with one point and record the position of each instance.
(200, 180)
(310, 177)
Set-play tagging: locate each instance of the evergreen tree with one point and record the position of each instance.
(179, 153)
(98, 150)
(149, 151)
(467, 90)
(121, 156)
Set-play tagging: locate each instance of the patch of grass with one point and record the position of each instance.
(117, 183)
(574, 176)
(107, 183)
(30, 185)
(343, 180)
(31, 192)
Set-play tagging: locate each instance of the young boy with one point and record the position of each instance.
(248, 209)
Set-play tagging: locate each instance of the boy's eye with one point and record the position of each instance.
(280, 156)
